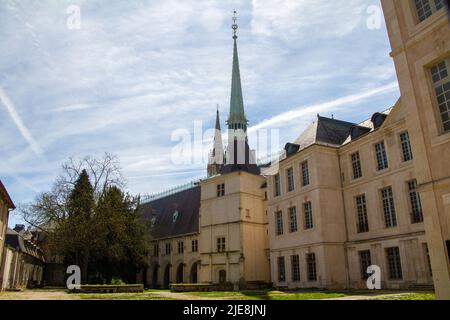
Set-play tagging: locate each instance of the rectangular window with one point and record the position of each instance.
(221, 190)
(427, 256)
(394, 263)
(295, 268)
(311, 265)
(365, 261)
(361, 207)
(382, 161)
(305, 174)
(414, 199)
(221, 244)
(356, 165)
(180, 247)
(390, 217)
(406, 147)
(277, 185)
(156, 250)
(441, 84)
(293, 219)
(307, 210)
(281, 269)
(425, 8)
(194, 245)
(279, 223)
(290, 179)
(168, 248)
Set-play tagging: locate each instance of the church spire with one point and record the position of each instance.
(216, 157)
(237, 118)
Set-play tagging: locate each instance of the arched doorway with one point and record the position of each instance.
(155, 277)
(193, 276)
(166, 281)
(180, 273)
(222, 276)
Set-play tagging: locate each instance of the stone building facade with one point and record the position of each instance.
(419, 33)
(344, 196)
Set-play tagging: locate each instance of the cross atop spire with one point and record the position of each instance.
(234, 26)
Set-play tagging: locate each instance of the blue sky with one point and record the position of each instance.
(136, 71)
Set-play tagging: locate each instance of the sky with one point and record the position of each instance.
(87, 77)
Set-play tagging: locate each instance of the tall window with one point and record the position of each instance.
(180, 247)
(307, 211)
(390, 217)
(168, 248)
(221, 244)
(382, 161)
(305, 174)
(279, 223)
(293, 219)
(221, 190)
(441, 84)
(356, 165)
(311, 266)
(406, 146)
(156, 250)
(427, 256)
(194, 245)
(394, 263)
(295, 267)
(290, 179)
(281, 269)
(364, 261)
(277, 185)
(361, 207)
(425, 8)
(414, 199)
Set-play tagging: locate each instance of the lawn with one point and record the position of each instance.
(268, 295)
(409, 296)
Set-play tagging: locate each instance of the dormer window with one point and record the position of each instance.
(378, 120)
(175, 216)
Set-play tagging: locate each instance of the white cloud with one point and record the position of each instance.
(296, 20)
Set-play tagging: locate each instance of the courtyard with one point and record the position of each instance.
(61, 294)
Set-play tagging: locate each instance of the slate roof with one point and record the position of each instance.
(325, 130)
(16, 241)
(161, 211)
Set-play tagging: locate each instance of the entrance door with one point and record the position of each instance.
(167, 277)
(193, 277)
(222, 276)
(180, 273)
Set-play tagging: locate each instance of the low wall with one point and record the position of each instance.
(131, 288)
(200, 287)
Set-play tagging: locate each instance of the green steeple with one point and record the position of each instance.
(237, 118)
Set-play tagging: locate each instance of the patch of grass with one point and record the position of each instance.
(409, 296)
(268, 295)
(122, 296)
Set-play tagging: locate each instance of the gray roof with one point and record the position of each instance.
(185, 205)
(325, 130)
(16, 241)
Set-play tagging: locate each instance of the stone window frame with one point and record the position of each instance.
(439, 74)
(277, 185)
(381, 156)
(295, 268)
(221, 190)
(221, 244)
(424, 9)
(415, 203)
(355, 159)
(406, 148)
(308, 215)
(281, 268)
(394, 264)
(362, 225)
(180, 247)
(304, 169)
(365, 260)
(279, 228)
(388, 207)
(194, 245)
(293, 221)
(311, 267)
(290, 179)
